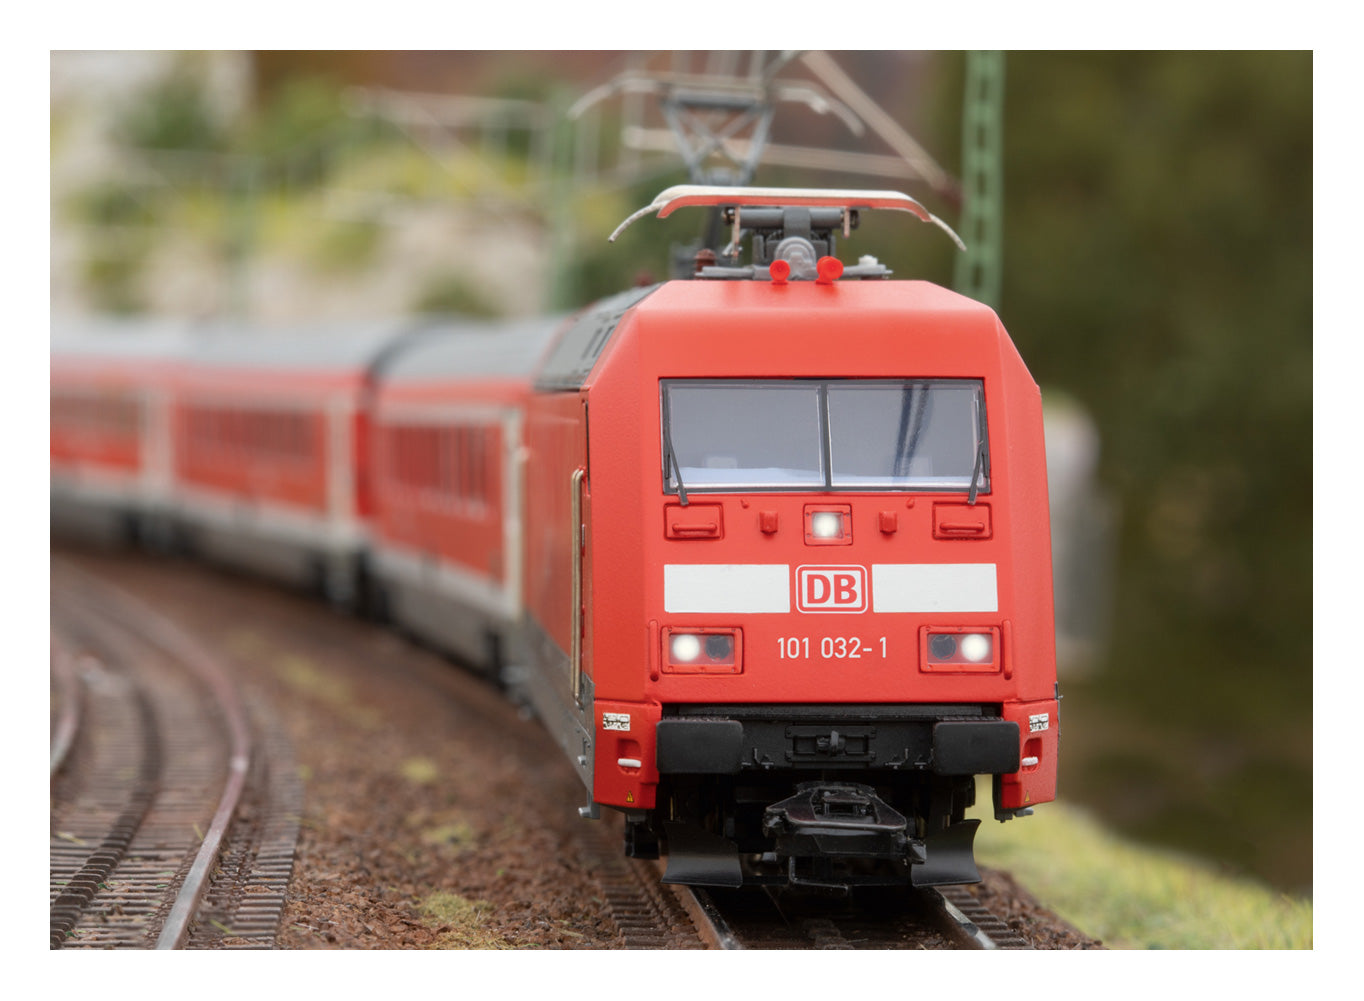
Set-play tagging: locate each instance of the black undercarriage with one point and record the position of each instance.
(821, 796)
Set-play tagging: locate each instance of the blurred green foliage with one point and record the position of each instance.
(345, 247)
(116, 203)
(112, 270)
(237, 181)
(593, 267)
(119, 217)
(1158, 267)
(293, 136)
(304, 131)
(176, 115)
(454, 294)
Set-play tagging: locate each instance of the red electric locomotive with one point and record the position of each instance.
(788, 578)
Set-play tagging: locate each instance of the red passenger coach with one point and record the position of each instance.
(269, 460)
(448, 487)
(109, 431)
(789, 541)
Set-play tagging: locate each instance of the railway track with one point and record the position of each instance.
(153, 769)
(893, 919)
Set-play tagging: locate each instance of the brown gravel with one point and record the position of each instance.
(436, 816)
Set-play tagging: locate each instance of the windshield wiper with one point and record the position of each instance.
(669, 455)
(975, 473)
(980, 454)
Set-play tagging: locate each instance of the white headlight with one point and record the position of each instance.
(975, 647)
(685, 647)
(826, 525)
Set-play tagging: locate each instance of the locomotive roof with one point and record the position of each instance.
(687, 306)
(473, 349)
(577, 351)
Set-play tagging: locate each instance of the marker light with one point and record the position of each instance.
(830, 270)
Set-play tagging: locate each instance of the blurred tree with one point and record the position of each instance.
(304, 131)
(175, 115)
(1158, 267)
(594, 268)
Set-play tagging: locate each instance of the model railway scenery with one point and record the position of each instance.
(715, 585)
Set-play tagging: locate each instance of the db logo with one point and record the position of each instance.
(831, 589)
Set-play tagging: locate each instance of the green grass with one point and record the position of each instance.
(1134, 897)
(460, 922)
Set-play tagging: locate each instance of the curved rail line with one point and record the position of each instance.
(104, 609)
(68, 697)
(249, 888)
(119, 812)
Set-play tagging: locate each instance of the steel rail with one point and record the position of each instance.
(710, 923)
(706, 918)
(962, 926)
(973, 922)
(70, 692)
(138, 761)
(120, 607)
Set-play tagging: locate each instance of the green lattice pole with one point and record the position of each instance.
(978, 271)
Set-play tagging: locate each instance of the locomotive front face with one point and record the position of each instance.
(845, 591)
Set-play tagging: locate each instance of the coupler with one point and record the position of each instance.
(835, 834)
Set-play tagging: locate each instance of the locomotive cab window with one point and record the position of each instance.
(837, 434)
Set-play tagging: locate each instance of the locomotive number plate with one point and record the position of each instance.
(830, 647)
(615, 721)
